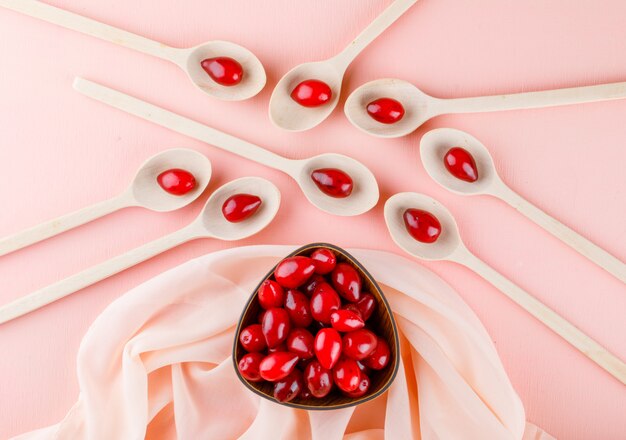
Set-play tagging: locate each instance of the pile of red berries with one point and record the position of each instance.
(311, 334)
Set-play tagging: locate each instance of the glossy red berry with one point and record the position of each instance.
(276, 326)
(252, 338)
(249, 366)
(333, 182)
(223, 70)
(319, 380)
(385, 110)
(366, 305)
(289, 388)
(276, 366)
(298, 308)
(301, 342)
(239, 207)
(325, 261)
(324, 302)
(347, 281)
(328, 347)
(346, 374)
(460, 163)
(346, 320)
(311, 93)
(359, 344)
(176, 181)
(293, 272)
(309, 287)
(380, 357)
(362, 389)
(422, 225)
(271, 294)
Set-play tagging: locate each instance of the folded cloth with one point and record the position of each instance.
(156, 364)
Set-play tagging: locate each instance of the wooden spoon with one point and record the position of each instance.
(364, 195)
(144, 191)
(436, 143)
(450, 247)
(209, 224)
(189, 60)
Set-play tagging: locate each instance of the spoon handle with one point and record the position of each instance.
(547, 98)
(577, 242)
(183, 125)
(371, 32)
(88, 26)
(61, 224)
(585, 344)
(94, 274)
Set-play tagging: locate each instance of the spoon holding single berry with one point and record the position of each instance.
(424, 228)
(236, 210)
(462, 164)
(391, 108)
(221, 69)
(308, 93)
(167, 181)
(334, 183)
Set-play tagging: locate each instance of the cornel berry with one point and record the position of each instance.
(176, 181)
(314, 337)
(223, 70)
(311, 93)
(460, 163)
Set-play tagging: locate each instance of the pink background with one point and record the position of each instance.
(60, 151)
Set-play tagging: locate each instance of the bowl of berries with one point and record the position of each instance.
(317, 333)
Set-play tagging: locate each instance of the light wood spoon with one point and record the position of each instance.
(420, 107)
(364, 195)
(209, 224)
(436, 143)
(450, 247)
(144, 191)
(188, 59)
(288, 114)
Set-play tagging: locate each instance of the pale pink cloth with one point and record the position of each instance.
(156, 364)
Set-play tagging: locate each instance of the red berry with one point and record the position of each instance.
(252, 338)
(311, 93)
(346, 374)
(328, 347)
(347, 282)
(385, 110)
(359, 344)
(319, 380)
(346, 320)
(271, 295)
(380, 356)
(309, 286)
(298, 308)
(364, 368)
(366, 305)
(324, 260)
(239, 207)
(301, 342)
(224, 71)
(362, 389)
(461, 164)
(288, 388)
(176, 181)
(324, 302)
(333, 182)
(293, 272)
(276, 366)
(422, 225)
(249, 366)
(275, 326)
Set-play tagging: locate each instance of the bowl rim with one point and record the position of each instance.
(392, 319)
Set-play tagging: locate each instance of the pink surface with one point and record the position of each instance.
(567, 160)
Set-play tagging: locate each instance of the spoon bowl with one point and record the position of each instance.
(434, 146)
(417, 107)
(253, 79)
(146, 191)
(215, 224)
(364, 194)
(287, 113)
(448, 242)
